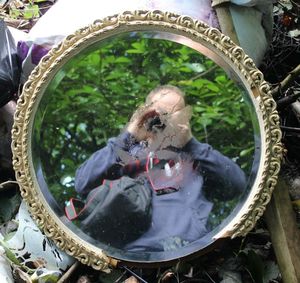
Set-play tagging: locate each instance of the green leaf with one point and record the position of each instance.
(14, 13)
(10, 255)
(229, 120)
(185, 69)
(246, 151)
(205, 121)
(199, 109)
(198, 83)
(213, 87)
(31, 11)
(139, 45)
(221, 79)
(135, 51)
(114, 75)
(123, 59)
(94, 59)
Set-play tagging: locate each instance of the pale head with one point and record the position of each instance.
(166, 98)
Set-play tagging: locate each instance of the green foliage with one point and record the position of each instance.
(26, 11)
(92, 98)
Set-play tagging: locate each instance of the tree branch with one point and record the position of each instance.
(290, 129)
(69, 272)
(284, 84)
(204, 73)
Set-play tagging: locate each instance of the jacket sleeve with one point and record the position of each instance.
(223, 178)
(93, 171)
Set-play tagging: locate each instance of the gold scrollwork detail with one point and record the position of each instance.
(156, 20)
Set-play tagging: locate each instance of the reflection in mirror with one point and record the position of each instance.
(145, 145)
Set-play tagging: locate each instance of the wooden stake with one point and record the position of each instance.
(69, 272)
(285, 235)
(225, 21)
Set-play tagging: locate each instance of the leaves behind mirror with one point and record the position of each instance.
(94, 95)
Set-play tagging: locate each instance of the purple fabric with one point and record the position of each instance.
(22, 49)
(37, 53)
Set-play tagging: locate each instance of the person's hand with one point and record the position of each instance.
(177, 131)
(180, 123)
(136, 125)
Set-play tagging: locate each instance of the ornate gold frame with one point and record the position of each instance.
(194, 30)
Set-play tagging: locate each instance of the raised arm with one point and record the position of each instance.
(92, 172)
(223, 178)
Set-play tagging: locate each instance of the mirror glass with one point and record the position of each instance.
(145, 145)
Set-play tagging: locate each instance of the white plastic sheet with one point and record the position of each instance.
(30, 244)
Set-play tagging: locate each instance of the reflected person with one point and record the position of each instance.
(158, 147)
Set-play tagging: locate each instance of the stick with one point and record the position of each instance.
(284, 84)
(285, 235)
(225, 20)
(69, 272)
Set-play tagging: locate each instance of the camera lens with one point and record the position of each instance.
(154, 123)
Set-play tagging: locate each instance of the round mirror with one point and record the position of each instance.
(145, 137)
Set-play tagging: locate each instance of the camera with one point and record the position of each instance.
(154, 124)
